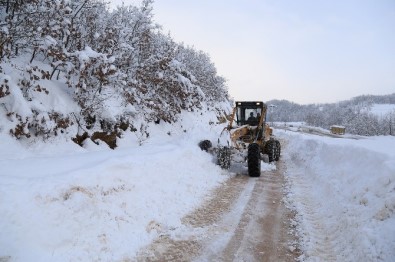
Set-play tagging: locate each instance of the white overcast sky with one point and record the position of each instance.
(305, 51)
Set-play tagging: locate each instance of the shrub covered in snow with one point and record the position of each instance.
(75, 67)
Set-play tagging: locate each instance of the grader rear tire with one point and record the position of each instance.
(270, 150)
(273, 150)
(254, 160)
(278, 150)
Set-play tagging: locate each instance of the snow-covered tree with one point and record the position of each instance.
(104, 57)
(204, 74)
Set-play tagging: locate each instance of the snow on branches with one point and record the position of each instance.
(116, 66)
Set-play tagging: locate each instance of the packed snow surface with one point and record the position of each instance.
(61, 202)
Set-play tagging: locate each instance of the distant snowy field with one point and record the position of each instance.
(381, 110)
(61, 202)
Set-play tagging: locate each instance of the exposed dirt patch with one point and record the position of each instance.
(220, 202)
(75, 189)
(167, 249)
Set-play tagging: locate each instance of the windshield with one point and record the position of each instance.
(248, 116)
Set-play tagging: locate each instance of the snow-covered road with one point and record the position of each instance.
(69, 203)
(244, 219)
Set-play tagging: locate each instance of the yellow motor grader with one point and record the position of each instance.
(249, 136)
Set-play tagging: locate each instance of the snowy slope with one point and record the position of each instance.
(66, 203)
(344, 192)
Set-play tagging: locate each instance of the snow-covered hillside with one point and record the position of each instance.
(61, 202)
(366, 115)
(78, 70)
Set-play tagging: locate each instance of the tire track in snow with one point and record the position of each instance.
(167, 249)
(263, 233)
(222, 201)
(321, 242)
(170, 248)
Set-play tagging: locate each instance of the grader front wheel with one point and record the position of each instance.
(254, 160)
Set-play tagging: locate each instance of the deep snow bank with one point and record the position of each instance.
(344, 192)
(61, 202)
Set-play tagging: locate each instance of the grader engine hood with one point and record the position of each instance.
(240, 133)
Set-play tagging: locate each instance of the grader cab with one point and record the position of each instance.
(248, 124)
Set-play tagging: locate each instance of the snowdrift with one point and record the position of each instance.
(344, 193)
(62, 202)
